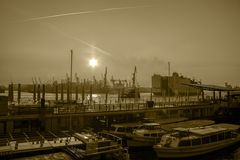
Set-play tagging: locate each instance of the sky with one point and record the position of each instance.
(200, 39)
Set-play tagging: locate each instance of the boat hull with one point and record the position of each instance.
(181, 152)
(142, 141)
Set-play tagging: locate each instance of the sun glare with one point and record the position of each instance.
(93, 62)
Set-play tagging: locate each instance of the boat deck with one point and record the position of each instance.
(14, 143)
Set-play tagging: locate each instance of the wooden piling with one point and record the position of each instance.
(34, 93)
(151, 95)
(106, 96)
(62, 91)
(119, 92)
(43, 91)
(203, 95)
(68, 92)
(76, 96)
(214, 97)
(83, 91)
(10, 92)
(19, 93)
(220, 96)
(91, 92)
(38, 93)
(56, 91)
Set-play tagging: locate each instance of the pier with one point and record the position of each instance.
(79, 116)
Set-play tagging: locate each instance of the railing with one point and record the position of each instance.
(91, 108)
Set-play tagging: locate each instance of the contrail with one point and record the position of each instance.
(83, 12)
(77, 39)
(79, 13)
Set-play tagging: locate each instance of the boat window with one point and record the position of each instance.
(146, 135)
(227, 135)
(160, 135)
(213, 138)
(234, 134)
(121, 129)
(112, 129)
(196, 141)
(128, 129)
(205, 140)
(221, 136)
(183, 134)
(154, 135)
(184, 143)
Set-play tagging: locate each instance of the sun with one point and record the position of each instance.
(93, 62)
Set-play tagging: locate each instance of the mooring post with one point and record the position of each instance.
(34, 93)
(76, 97)
(214, 97)
(68, 92)
(38, 92)
(220, 96)
(91, 92)
(119, 92)
(151, 95)
(62, 91)
(56, 91)
(19, 93)
(106, 97)
(202, 95)
(10, 92)
(83, 91)
(43, 91)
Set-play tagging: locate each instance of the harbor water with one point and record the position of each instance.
(231, 153)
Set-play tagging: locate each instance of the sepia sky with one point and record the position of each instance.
(200, 39)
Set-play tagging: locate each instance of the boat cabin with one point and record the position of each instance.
(149, 130)
(183, 137)
(124, 129)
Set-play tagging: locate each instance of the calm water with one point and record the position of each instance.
(232, 153)
(27, 98)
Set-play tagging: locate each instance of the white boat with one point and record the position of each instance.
(188, 142)
(123, 130)
(94, 146)
(146, 136)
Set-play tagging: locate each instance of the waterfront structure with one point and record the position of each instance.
(173, 85)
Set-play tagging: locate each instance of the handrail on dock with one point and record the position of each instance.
(111, 137)
(61, 109)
